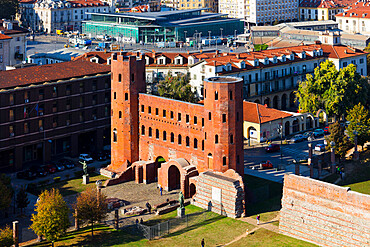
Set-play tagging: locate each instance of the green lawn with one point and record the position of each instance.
(362, 187)
(73, 186)
(265, 238)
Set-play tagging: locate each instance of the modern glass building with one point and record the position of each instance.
(162, 26)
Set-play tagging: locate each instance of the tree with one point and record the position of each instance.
(22, 199)
(177, 87)
(332, 90)
(6, 237)
(91, 207)
(367, 49)
(341, 141)
(8, 9)
(359, 121)
(6, 192)
(51, 220)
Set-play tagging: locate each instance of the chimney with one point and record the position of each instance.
(345, 51)
(153, 54)
(238, 56)
(217, 52)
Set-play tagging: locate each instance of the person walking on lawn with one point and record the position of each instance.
(202, 243)
(258, 219)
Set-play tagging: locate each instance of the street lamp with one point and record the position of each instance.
(235, 32)
(280, 132)
(209, 32)
(332, 145)
(355, 153)
(221, 32)
(185, 36)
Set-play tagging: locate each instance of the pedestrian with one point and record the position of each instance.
(149, 207)
(258, 219)
(202, 243)
(141, 221)
(137, 221)
(161, 190)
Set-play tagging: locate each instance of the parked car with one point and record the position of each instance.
(307, 135)
(26, 174)
(51, 168)
(67, 163)
(297, 138)
(320, 147)
(100, 156)
(39, 171)
(59, 165)
(326, 130)
(86, 158)
(272, 148)
(266, 165)
(318, 132)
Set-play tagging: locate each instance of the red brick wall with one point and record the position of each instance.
(323, 213)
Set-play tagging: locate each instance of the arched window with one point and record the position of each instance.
(120, 114)
(202, 145)
(142, 130)
(126, 96)
(164, 136)
(195, 143)
(172, 138)
(231, 139)
(216, 95)
(216, 139)
(187, 141)
(209, 116)
(150, 132)
(119, 77)
(205, 93)
(114, 135)
(179, 140)
(224, 161)
(157, 134)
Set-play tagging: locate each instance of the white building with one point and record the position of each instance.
(4, 51)
(259, 12)
(355, 19)
(233, 8)
(57, 56)
(51, 15)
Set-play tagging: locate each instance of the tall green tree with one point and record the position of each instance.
(359, 121)
(22, 199)
(91, 207)
(6, 192)
(332, 90)
(6, 237)
(8, 9)
(341, 141)
(51, 220)
(177, 87)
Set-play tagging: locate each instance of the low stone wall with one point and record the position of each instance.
(323, 213)
(222, 193)
(127, 175)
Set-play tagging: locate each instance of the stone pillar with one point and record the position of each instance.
(77, 225)
(332, 160)
(356, 155)
(296, 169)
(311, 167)
(16, 233)
(310, 150)
(116, 217)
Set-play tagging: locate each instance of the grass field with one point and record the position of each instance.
(73, 186)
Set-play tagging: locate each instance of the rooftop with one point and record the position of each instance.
(257, 113)
(3, 36)
(49, 73)
(223, 79)
(62, 54)
(15, 29)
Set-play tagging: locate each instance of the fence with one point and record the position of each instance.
(174, 225)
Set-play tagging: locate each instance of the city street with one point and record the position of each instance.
(255, 155)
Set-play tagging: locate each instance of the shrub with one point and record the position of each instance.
(6, 237)
(56, 179)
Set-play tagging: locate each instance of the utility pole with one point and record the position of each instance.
(280, 132)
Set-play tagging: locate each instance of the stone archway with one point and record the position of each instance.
(173, 178)
(157, 164)
(192, 190)
(310, 121)
(295, 126)
(324, 116)
(267, 102)
(275, 102)
(287, 128)
(284, 102)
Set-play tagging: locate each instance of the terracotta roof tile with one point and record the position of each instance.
(3, 36)
(49, 72)
(257, 113)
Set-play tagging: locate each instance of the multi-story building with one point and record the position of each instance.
(50, 15)
(260, 12)
(18, 43)
(271, 76)
(320, 10)
(52, 110)
(26, 13)
(57, 56)
(355, 19)
(4, 51)
(208, 5)
(233, 8)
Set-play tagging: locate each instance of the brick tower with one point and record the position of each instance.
(128, 80)
(223, 103)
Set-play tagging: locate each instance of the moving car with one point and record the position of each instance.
(266, 165)
(320, 147)
(298, 138)
(86, 158)
(272, 148)
(318, 132)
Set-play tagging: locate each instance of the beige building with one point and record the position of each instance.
(320, 10)
(4, 51)
(355, 19)
(210, 5)
(18, 43)
(261, 123)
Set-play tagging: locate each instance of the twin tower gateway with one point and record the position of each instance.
(176, 143)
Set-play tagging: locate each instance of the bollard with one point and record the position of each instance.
(116, 219)
(15, 233)
(296, 169)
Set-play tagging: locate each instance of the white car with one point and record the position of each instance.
(86, 158)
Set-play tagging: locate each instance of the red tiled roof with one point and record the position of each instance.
(49, 72)
(326, 3)
(83, 3)
(257, 113)
(341, 51)
(27, 1)
(16, 29)
(3, 36)
(361, 12)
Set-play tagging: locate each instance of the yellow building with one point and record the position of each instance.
(211, 5)
(322, 10)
